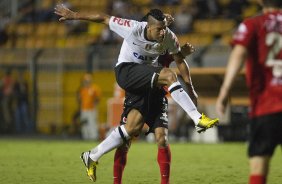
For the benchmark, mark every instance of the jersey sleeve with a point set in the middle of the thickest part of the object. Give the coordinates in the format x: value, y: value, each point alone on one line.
x: 123, y: 27
x: 173, y: 44
x: 244, y: 34
x: 165, y: 59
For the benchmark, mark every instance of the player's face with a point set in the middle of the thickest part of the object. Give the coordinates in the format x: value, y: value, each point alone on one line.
x: 158, y: 32
x: 87, y: 80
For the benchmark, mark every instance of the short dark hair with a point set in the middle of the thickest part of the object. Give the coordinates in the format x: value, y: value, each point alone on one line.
x: 156, y: 13
x: 272, y: 3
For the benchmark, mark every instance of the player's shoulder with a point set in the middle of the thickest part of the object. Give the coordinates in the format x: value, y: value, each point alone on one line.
x: 256, y: 19
x: 169, y: 31
x: 123, y: 22
x: 250, y: 23
x: 139, y: 27
x: 170, y: 34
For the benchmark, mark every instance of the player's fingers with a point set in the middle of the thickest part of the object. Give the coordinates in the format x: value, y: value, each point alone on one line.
x: 64, y: 7
x: 58, y: 10
x: 170, y: 18
x: 191, y: 47
x: 58, y: 7
x: 58, y: 13
x: 220, y: 109
x: 221, y: 113
x: 62, y: 19
x: 187, y: 44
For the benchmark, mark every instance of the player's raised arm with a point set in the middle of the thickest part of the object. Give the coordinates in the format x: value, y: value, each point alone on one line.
x: 235, y: 64
x: 67, y: 14
x: 181, y: 63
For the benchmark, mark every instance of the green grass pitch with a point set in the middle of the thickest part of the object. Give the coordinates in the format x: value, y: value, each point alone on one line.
x: 31, y: 161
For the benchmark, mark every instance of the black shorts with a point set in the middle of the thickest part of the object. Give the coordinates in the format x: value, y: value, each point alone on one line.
x: 136, y: 78
x: 141, y: 93
x: 153, y: 106
x: 265, y: 135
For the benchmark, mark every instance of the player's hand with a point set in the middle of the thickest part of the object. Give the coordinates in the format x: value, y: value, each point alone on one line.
x: 64, y: 12
x: 220, y: 106
x: 169, y: 19
x: 187, y: 49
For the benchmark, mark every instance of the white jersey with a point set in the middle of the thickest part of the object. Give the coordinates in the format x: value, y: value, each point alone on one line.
x: 135, y: 48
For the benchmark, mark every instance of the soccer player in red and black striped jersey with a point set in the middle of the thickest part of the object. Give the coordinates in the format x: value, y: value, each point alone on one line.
x: 164, y: 154
x: 258, y: 42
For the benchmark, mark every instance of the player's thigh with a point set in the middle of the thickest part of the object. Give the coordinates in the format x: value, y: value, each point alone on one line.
x: 137, y: 78
x: 166, y: 77
x: 134, y: 122
x: 135, y: 102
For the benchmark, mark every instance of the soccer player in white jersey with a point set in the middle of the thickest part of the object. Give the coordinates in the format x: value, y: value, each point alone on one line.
x: 135, y: 73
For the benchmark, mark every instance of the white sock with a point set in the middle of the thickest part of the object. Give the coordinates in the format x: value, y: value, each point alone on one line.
x: 183, y: 99
x: 113, y: 141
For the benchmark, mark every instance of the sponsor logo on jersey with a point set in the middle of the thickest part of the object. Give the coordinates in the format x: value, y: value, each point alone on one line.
x: 143, y: 58
x: 122, y: 22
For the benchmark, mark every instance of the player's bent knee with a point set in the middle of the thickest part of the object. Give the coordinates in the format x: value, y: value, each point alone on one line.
x: 134, y: 123
x: 171, y: 78
x: 168, y: 75
x: 161, y: 140
x: 133, y: 130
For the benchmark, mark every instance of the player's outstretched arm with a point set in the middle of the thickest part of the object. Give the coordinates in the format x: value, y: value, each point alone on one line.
x: 67, y: 14
x: 235, y: 63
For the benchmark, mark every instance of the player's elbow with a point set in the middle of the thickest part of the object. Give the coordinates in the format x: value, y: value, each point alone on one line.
x: 161, y: 140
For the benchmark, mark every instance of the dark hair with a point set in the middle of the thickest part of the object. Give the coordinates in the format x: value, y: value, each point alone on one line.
x: 145, y: 18
x: 272, y: 3
x: 156, y: 13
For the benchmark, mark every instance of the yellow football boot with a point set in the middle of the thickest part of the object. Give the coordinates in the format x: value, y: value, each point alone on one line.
x: 206, y: 123
x: 90, y: 165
